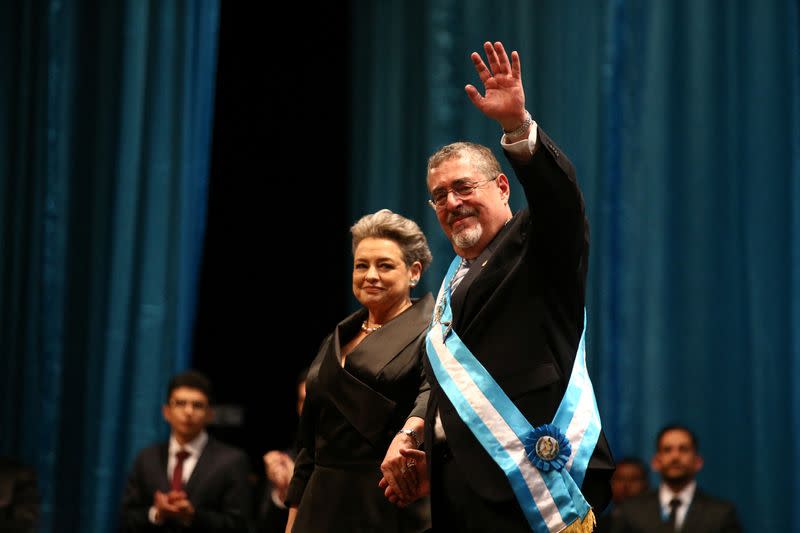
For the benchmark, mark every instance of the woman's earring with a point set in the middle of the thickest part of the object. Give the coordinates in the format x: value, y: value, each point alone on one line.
x: 413, y: 282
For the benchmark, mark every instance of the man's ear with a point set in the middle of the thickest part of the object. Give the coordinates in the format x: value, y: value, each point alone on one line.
x: 698, y: 463
x: 505, y: 186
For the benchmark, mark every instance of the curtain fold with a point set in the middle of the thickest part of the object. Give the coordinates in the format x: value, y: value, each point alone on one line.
x: 683, y: 121
x: 104, y: 155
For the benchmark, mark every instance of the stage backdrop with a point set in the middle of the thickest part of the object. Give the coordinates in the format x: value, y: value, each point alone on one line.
x: 683, y: 120
x: 105, y: 113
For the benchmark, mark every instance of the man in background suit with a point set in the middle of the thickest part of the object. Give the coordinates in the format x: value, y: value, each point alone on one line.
x: 629, y: 480
x: 192, y: 482
x: 678, y: 504
x: 19, y: 497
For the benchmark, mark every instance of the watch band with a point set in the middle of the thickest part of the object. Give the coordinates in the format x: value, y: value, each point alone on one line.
x: 413, y: 434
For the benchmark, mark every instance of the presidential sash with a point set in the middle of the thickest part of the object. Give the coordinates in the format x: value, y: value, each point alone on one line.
x: 544, y: 465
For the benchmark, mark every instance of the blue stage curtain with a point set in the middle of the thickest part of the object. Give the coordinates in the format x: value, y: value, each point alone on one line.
x: 105, y: 115
x: 683, y: 120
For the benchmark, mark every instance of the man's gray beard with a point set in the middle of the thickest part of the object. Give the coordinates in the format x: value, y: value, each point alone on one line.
x: 469, y: 237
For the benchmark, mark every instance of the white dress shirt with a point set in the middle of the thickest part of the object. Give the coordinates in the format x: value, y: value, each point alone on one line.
x: 665, y: 495
x: 195, y: 447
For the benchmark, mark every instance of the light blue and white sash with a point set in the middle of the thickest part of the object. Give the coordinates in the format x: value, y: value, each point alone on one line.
x: 545, y: 465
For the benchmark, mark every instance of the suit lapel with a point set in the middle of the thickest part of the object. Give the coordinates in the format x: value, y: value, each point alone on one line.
x: 163, y: 458
x: 201, y: 468
x: 392, y: 338
x: 694, y: 520
x: 649, y: 513
x: 366, y: 409
x: 493, y: 263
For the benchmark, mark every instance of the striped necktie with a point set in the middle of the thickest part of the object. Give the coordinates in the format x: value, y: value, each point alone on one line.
x: 463, y: 268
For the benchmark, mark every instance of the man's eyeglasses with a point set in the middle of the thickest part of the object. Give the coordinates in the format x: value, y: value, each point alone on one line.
x: 183, y: 404
x: 461, y: 188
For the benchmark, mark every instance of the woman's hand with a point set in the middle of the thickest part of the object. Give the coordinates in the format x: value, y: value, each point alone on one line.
x: 396, y: 473
x: 415, y: 460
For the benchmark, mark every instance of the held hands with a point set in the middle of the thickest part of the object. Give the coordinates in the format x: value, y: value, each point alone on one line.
x: 174, y: 505
x: 396, y: 473
x: 504, y: 98
x: 417, y: 486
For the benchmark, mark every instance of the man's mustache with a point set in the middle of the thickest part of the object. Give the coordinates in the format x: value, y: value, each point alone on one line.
x: 460, y: 212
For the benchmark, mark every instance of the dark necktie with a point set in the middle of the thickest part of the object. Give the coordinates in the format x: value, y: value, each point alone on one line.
x: 674, y: 503
x: 177, y: 474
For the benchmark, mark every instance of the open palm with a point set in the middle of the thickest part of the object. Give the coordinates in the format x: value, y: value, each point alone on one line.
x: 504, y: 97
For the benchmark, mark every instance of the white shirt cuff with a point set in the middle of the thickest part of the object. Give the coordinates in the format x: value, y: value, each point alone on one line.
x: 276, y: 499
x: 524, y: 148
x: 151, y: 515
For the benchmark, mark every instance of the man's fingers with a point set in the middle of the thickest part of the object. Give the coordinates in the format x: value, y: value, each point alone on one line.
x: 411, y: 474
x: 416, y: 455
x: 503, y: 65
x: 403, y: 484
x: 491, y: 57
x: 516, y: 66
x: 474, y: 95
x: 480, y: 67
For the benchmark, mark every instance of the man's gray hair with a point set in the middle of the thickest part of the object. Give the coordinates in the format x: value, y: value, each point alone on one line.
x: 478, y: 155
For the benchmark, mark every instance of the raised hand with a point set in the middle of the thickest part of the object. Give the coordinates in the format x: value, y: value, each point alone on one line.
x: 504, y: 97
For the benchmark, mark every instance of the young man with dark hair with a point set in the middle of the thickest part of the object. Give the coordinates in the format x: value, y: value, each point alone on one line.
x: 192, y: 482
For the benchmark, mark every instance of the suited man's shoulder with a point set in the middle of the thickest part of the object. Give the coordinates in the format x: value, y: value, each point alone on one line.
x: 151, y: 451
x: 639, y: 505
x: 712, y: 502
x: 715, y: 510
x: 224, y: 452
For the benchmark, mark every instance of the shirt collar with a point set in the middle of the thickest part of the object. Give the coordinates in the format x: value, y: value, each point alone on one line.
x: 665, y: 495
x: 194, y: 446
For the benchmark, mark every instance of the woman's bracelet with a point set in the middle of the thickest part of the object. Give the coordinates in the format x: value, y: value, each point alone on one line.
x: 413, y: 434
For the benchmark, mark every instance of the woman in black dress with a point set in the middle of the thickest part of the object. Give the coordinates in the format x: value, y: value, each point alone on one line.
x: 367, y: 393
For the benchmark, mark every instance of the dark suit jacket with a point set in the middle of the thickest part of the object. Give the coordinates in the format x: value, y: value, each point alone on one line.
x: 218, y: 488
x: 19, y: 497
x: 350, y: 417
x: 519, y: 309
x: 606, y: 520
x: 271, y: 518
x: 706, y: 514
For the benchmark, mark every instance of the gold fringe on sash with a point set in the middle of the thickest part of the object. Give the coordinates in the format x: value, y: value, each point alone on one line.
x: 586, y: 525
